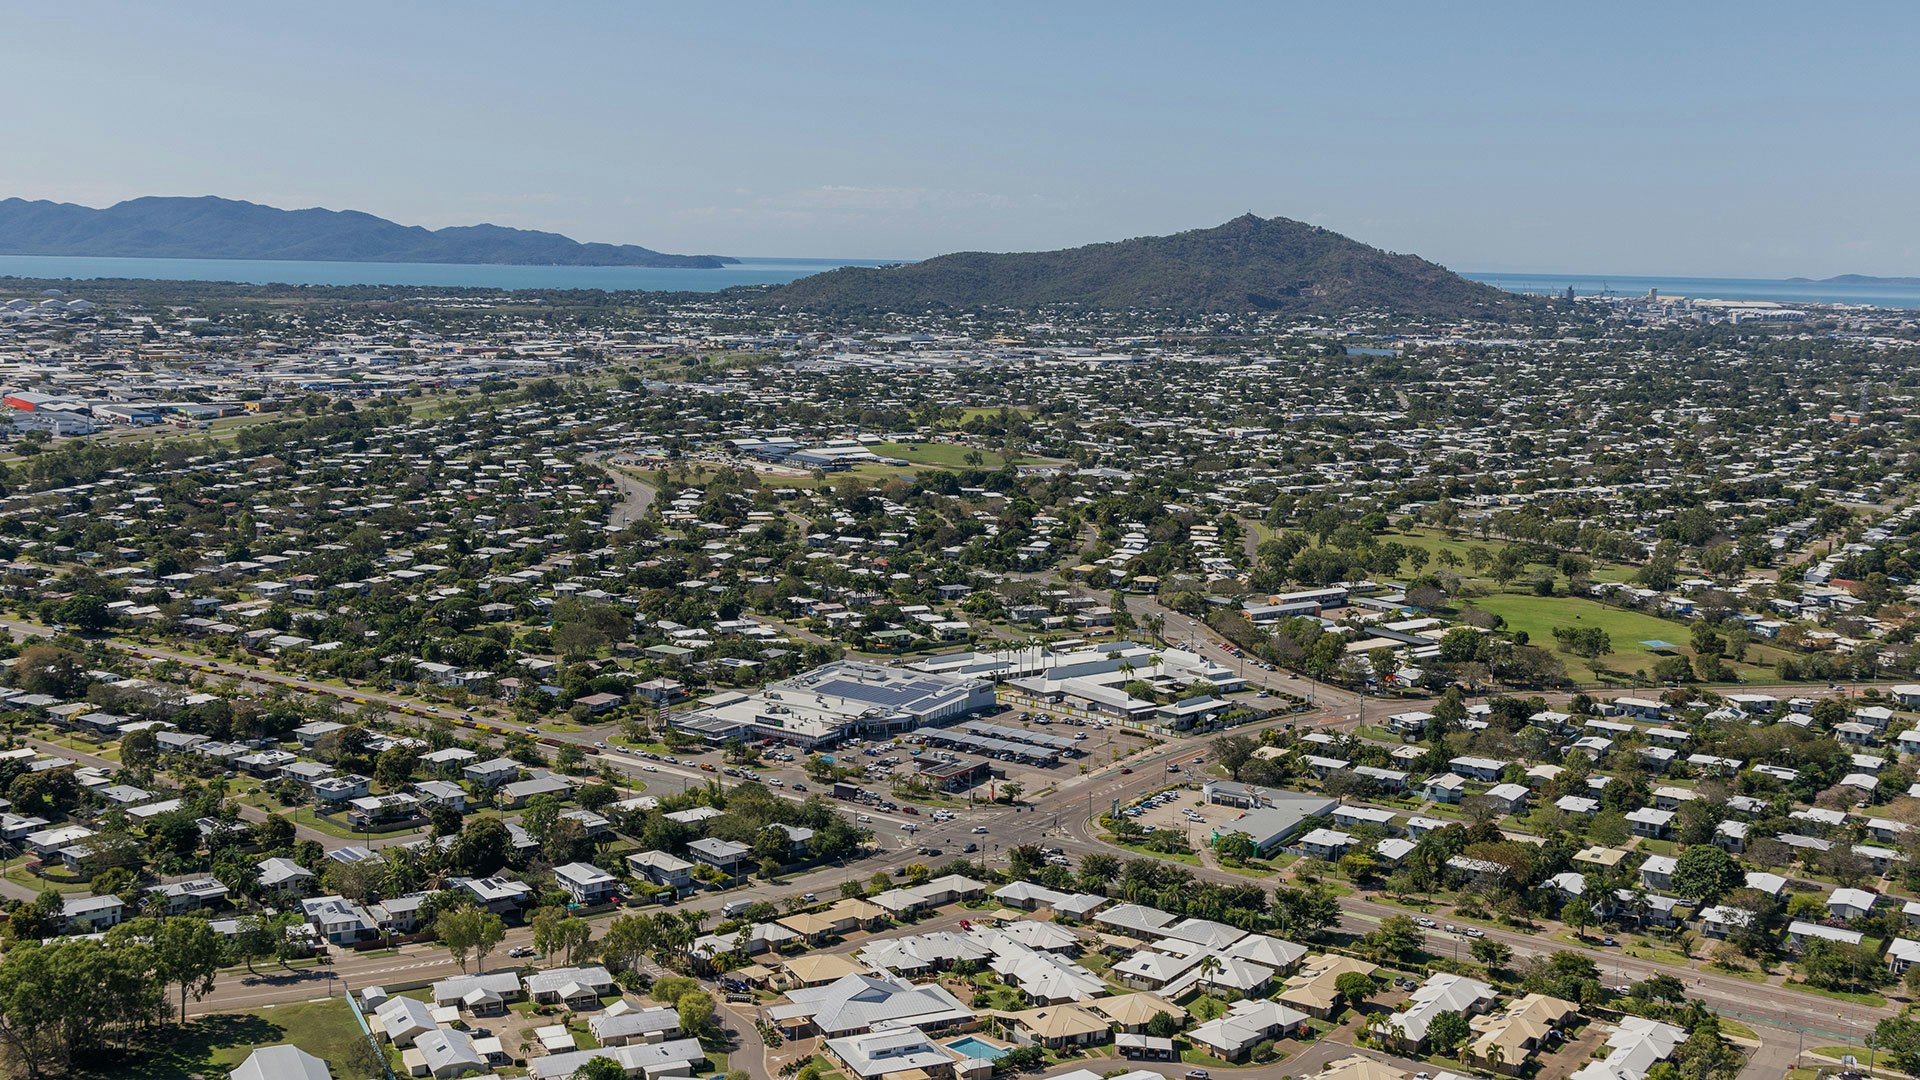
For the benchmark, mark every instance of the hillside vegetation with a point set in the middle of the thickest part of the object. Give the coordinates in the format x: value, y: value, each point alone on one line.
x: 1247, y: 264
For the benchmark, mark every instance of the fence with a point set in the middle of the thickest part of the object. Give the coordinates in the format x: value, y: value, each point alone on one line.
x: 353, y: 1003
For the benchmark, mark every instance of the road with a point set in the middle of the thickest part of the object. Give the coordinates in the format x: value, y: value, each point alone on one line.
x: 636, y: 495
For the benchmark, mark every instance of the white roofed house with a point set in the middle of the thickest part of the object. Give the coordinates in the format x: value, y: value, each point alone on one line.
x: 857, y: 1003
x: 1850, y: 903
x: 338, y: 920
x: 284, y: 878
x: 1329, y: 844
x: 1657, y: 872
x: 491, y: 773
x: 284, y: 1062
x: 1246, y: 1024
x: 403, y: 1020
x: 1150, y: 969
x: 516, y: 793
x: 1650, y: 822
x: 1508, y: 798
x: 725, y: 856
x: 1799, y: 932
x: 1902, y: 953
x: 575, y: 987
x: 646, y: 1060
x: 896, y: 1051
x: 445, y: 1052
x: 586, y: 883
x: 91, y: 914
x: 184, y: 896
x: 1485, y: 770
x: 1443, y: 992
x: 638, y: 1025
x: 481, y: 995
x: 667, y: 871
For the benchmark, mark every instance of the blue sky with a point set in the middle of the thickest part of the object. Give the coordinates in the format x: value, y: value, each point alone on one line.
x: 1735, y: 139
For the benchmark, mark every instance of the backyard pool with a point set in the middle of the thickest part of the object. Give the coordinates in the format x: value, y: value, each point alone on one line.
x: 975, y: 1048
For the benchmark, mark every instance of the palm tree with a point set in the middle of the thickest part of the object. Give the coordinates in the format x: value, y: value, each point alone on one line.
x: 1496, y: 1054
x: 1210, y: 965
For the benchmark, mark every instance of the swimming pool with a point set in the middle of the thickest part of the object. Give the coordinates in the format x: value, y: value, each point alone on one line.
x: 975, y: 1048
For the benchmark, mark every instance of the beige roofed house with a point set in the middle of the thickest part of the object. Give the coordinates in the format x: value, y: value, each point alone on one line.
x: 1600, y: 856
x: 1544, y: 1008
x: 1505, y: 1045
x: 1313, y: 991
x: 1054, y: 1026
x: 812, y: 925
x: 860, y: 911
x: 818, y: 969
x: 1134, y: 1011
x: 1359, y: 1067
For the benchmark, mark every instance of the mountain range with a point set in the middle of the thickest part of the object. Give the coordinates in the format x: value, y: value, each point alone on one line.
x: 1857, y: 279
x: 1247, y: 264
x: 215, y: 228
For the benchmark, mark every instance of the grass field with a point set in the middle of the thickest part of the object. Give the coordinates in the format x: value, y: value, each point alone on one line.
x: 1538, y: 615
x: 212, y: 1045
x: 1435, y: 541
x: 943, y: 455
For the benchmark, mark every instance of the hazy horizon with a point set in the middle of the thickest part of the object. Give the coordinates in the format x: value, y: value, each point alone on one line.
x: 1711, y: 140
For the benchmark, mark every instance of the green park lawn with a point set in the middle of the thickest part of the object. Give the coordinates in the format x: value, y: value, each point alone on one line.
x: 1538, y: 615
x: 212, y: 1045
x: 944, y: 455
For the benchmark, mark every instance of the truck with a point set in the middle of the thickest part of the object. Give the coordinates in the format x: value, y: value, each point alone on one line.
x: 733, y: 909
x: 843, y: 790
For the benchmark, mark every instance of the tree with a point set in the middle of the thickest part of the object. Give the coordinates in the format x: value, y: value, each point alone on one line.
x: 628, y: 939
x: 1578, y: 915
x: 1013, y: 788
x: 254, y: 938
x: 480, y: 850
x: 359, y: 882
x: 1236, y: 847
x: 1494, y: 954
x: 393, y: 769
x: 696, y: 1012
x: 467, y: 931
x: 1398, y: 936
x: 1164, y: 1026
x: 273, y: 834
x: 186, y: 954
x: 1355, y: 986
x: 600, y: 1068
x: 1097, y: 871
x: 1233, y: 751
x: 1704, y: 873
x: 556, y: 933
x: 1446, y: 1031
x: 1898, y: 1037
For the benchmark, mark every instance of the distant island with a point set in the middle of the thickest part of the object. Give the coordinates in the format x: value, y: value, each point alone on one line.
x: 1856, y: 279
x: 216, y: 228
x: 1247, y: 264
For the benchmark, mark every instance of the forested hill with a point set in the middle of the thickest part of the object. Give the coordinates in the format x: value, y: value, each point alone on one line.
x: 1247, y: 264
x: 215, y: 228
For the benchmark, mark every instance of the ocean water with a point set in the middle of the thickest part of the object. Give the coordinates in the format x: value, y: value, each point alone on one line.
x: 1787, y: 292
x: 276, y: 272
